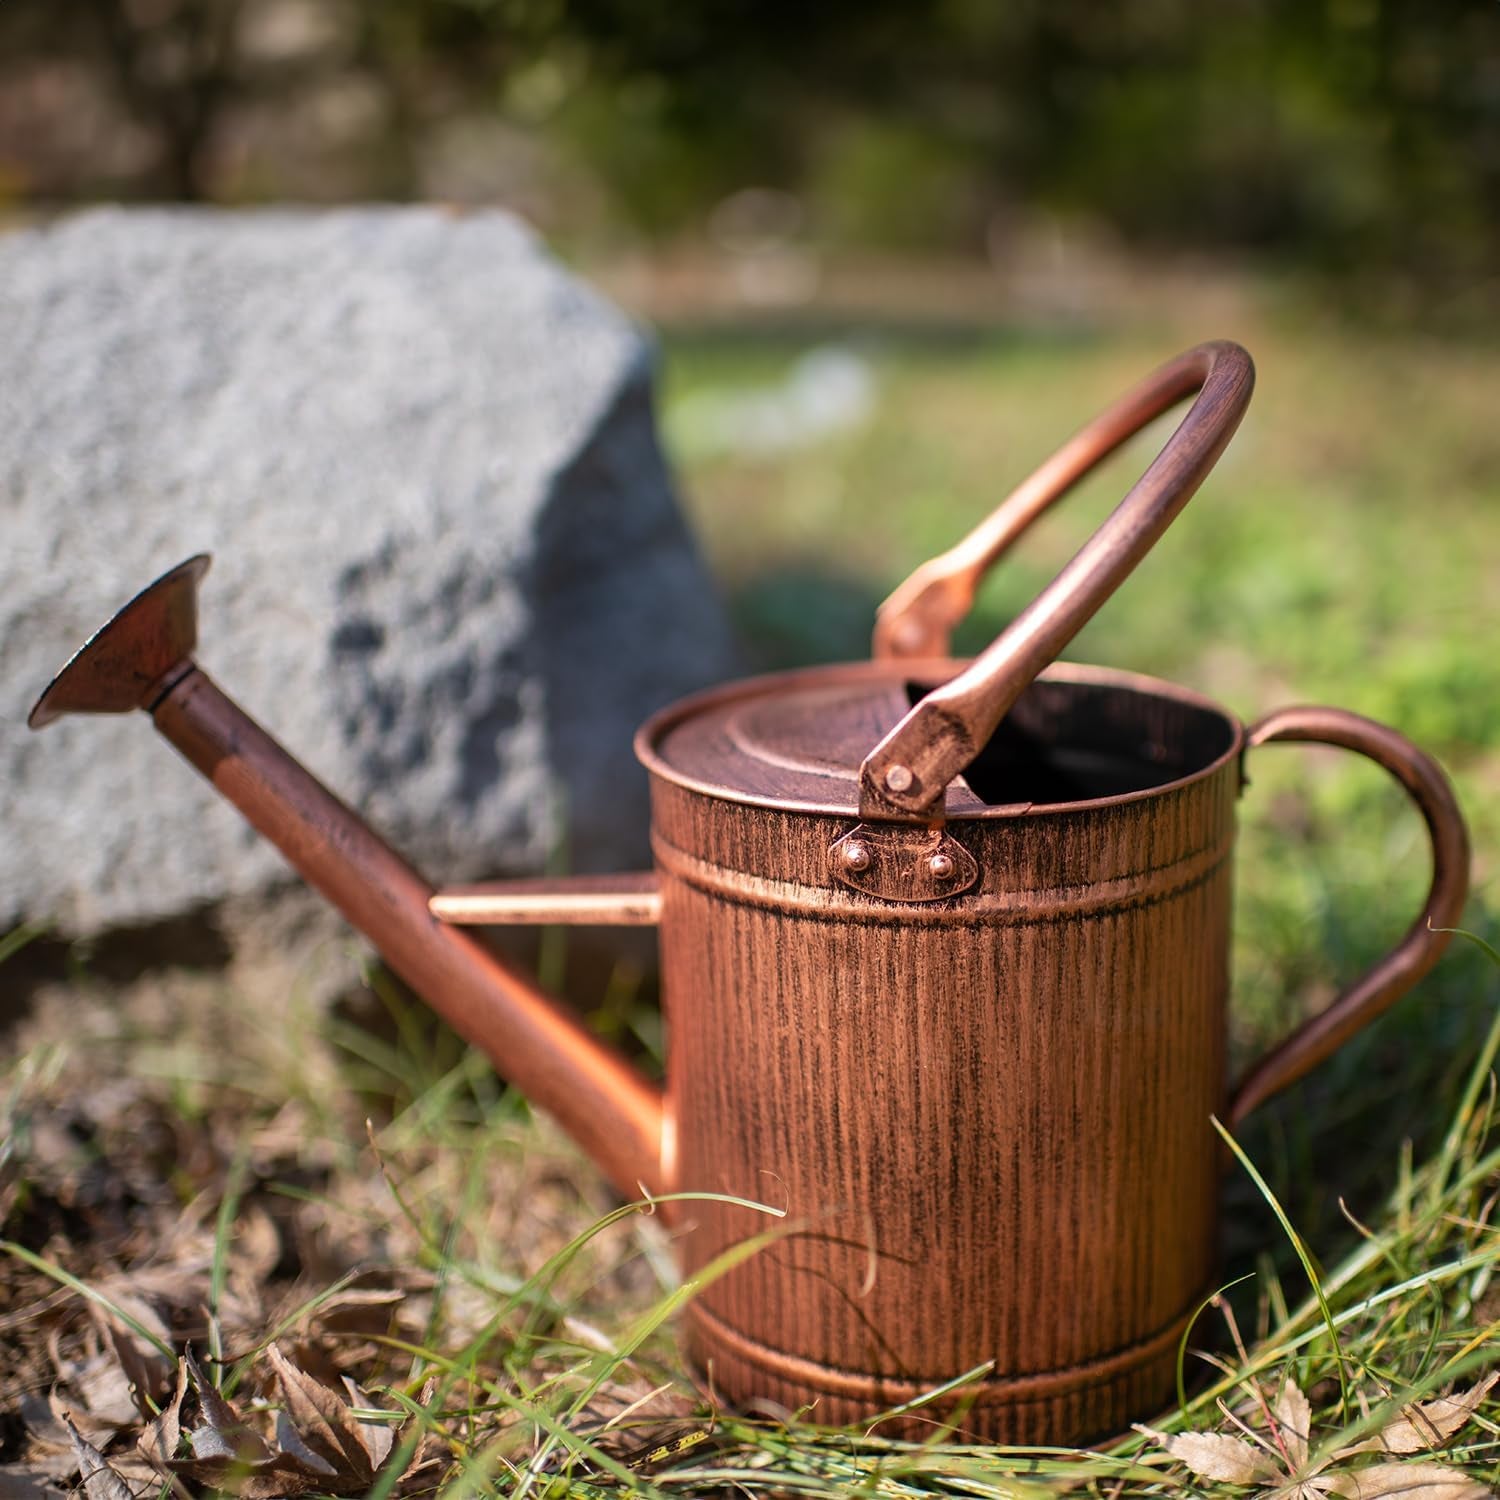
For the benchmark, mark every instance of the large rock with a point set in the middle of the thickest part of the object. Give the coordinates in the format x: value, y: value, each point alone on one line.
x: 449, y: 571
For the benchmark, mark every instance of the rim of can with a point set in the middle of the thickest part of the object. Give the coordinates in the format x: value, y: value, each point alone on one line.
x: 965, y: 807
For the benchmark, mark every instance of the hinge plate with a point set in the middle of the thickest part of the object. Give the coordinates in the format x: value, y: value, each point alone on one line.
x: 899, y: 862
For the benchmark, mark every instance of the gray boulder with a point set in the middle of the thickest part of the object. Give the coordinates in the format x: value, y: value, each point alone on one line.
x: 449, y: 574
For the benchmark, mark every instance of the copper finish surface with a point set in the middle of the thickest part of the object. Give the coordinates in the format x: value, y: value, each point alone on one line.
x: 1424, y: 942
x: 795, y: 741
x: 957, y: 1004
x: 598, y: 1098
x: 120, y: 666
x: 987, y: 1117
x: 583, y: 900
x: 614, y: 1113
x: 905, y: 775
x: 902, y: 864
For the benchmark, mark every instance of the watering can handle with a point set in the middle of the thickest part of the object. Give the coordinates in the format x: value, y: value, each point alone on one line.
x: 1323, y: 1034
x: 905, y: 776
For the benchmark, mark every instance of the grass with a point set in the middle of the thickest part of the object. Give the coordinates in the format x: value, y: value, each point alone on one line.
x: 362, y: 1192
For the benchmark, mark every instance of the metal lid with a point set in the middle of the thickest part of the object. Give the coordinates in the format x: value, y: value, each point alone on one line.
x: 796, y: 741
x: 793, y: 739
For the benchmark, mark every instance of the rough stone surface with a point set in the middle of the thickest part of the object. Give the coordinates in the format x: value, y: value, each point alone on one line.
x: 449, y: 571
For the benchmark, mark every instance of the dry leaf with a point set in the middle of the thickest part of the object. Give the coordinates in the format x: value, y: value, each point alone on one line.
x: 376, y: 1436
x: 160, y: 1441
x: 366, y: 1310
x: 100, y: 1482
x: 426, y: 1451
x: 320, y: 1444
x: 104, y: 1392
x: 289, y: 1441
x: 226, y: 1436
x: 1293, y: 1415
x: 141, y: 1376
x: 209, y: 1442
x: 142, y: 1365
x: 266, y: 1479
x: 1408, y: 1482
x: 1428, y: 1424
x: 1215, y: 1455
x: 48, y: 1443
x: 323, y: 1420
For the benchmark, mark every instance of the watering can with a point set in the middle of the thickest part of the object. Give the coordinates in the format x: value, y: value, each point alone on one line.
x: 945, y: 967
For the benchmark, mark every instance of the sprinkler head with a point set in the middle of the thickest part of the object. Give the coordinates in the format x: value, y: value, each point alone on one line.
x: 119, y: 666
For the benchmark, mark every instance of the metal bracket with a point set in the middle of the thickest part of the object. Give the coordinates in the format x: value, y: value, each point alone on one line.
x: 899, y: 862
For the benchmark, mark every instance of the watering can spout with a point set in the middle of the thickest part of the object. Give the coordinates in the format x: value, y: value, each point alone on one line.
x: 143, y: 659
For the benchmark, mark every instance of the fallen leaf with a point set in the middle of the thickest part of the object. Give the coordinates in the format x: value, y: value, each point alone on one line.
x: 209, y: 1442
x: 226, y: 1435
x: 161, y: 1438
x: 1293, y: 1415
x: 415, y: 1450
x: 366, y: 1310
x: 266, y: 1479
x: 1408, y: 1482
x: 289, y: 1441
x: 376, y: 1436
x: 1215, y: 1455
x: 104, y: 1392
x: 100, y: 1482
x: 323, y: 1420
x: 140, y: 1377
x: 1429, y: 1424
x: 29, y: 1482
x: 48, y: 1445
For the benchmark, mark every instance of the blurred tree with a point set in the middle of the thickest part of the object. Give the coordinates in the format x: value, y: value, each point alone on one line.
x: 1347, y: 131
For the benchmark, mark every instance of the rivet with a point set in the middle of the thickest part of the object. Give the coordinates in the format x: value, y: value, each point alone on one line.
x: 856, y: 857
x: 941, y: 866
x: 898, y: 777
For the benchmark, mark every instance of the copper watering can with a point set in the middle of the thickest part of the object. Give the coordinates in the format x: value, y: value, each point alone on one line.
x: 944, y: 956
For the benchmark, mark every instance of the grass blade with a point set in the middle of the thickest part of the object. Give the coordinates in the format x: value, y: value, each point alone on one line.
x: 1303, y: 1255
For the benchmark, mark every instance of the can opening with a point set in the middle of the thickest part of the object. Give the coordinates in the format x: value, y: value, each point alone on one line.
x: 1077, y: 742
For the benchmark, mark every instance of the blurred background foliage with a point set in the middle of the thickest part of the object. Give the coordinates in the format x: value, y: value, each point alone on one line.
x: 1347, y: 135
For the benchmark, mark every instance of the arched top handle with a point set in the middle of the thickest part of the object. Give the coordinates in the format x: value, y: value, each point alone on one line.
x: 905, y: 776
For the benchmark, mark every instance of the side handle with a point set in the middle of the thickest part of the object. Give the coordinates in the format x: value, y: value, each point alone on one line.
x: 1371, y: 995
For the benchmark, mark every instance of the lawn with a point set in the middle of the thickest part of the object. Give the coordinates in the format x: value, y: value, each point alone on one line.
x: 362, y: 1193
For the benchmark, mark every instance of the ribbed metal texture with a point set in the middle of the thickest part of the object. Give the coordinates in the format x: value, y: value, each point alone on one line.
x: 987, y: 1119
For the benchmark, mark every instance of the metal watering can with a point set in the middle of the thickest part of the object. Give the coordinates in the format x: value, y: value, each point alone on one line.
x: 944, y: 957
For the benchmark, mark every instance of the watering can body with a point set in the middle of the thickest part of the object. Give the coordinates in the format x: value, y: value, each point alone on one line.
x: 986, y: 1115
x: 975, y: 1061
x: 944, y: 954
